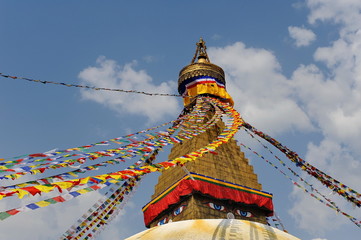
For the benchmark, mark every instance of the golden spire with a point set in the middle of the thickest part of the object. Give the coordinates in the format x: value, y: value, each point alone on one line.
x: 230, y: 187
x: 201, y: 51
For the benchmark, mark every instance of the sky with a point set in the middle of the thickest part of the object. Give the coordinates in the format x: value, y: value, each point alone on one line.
x: 293, y: 69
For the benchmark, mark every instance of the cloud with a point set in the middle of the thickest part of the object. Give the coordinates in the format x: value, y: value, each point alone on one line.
x: 315, y: 220
x: 331, y: 156
x: 302, y: 36
x: 337, y: 161
x: 261, y: 93
x: 331, y: 98
x: 345, y: 12
x: 51, y: 221
x: 107, y: 73
x: 323, y: 96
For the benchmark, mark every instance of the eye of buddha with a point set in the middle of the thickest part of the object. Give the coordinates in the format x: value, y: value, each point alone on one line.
x: 244, y: 213
x: 163, y: 221
x: 216, y: 206
x: 178, y: 210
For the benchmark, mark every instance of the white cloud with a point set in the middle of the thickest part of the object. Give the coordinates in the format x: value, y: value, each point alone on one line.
x: 261, y: 93
x: 345, y: 12
x: 52, y: 220
x: 109, y: 74
x: 332, y: 100
x: 302, y: 36
x: 276, y: 105
x: 315, y: 220
x: 331, y: 157
x: 338, y: 162
x: 312, y: 98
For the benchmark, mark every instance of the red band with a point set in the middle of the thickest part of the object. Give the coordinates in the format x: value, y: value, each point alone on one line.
x: 215, y: 190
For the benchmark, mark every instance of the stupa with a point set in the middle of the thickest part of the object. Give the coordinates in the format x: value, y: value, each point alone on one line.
x: 218, y: 196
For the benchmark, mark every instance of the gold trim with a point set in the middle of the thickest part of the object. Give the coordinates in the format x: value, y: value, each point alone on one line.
x: 203, y: 66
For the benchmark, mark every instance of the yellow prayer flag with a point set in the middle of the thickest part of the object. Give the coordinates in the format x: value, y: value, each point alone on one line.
x: 21, y: 193
x: 45, y: 189
x: 14, y: 176
x: 73, y: 174
x: 82, y: 191
x: 115, y: 176
x: 42, y: 203
x: 63, y: 185
x: 151, y: 168
x: 113, y: 181
x: 102, y: 177
x: 35, y: 171
x: 21, y: 185
x: 84, y: 180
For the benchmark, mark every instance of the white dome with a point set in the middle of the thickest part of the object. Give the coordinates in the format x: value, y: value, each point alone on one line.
x: 213, y: 229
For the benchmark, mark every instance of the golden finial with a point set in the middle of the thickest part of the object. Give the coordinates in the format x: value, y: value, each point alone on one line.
x: 201, y: 51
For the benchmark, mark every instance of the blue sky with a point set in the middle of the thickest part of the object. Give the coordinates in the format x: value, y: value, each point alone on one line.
x: 293, y: 69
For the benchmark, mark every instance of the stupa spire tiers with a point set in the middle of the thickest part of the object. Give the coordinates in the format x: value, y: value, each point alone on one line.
x: 213, y: 186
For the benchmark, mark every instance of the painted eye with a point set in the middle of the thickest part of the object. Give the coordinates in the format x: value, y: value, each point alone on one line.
x: 244, y: 213
x: 178, y: 210
x: 163, y: 221
x: 216, y: 206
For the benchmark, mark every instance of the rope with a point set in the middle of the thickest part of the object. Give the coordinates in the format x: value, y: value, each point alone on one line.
x: 89, y: 87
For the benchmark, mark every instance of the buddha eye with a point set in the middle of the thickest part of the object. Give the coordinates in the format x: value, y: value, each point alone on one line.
x: 178, y: 210
x: 244, y: 213
x: 216, y: 206
x: 163, y: 221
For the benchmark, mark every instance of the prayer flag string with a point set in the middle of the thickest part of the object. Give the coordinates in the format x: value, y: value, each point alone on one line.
x: 292, y: 171
x: 89, y: 87
x: 118, y: 140
x: 339, y: 188
x: 332, y: 206
x: 192, y: 122
x: 100, y: 214
x: 131, y: 150
x: 6, y: 192
x: 228, y: 132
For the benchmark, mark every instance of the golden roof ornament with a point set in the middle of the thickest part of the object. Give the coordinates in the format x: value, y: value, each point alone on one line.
x: 201, y: 51
x: 201, y: 77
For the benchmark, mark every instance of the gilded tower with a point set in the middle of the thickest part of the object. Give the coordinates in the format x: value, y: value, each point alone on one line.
x: 217, y: 194
x: 225, y: 169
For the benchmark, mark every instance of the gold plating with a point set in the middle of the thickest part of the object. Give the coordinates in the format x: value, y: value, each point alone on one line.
x: 203, y: 67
